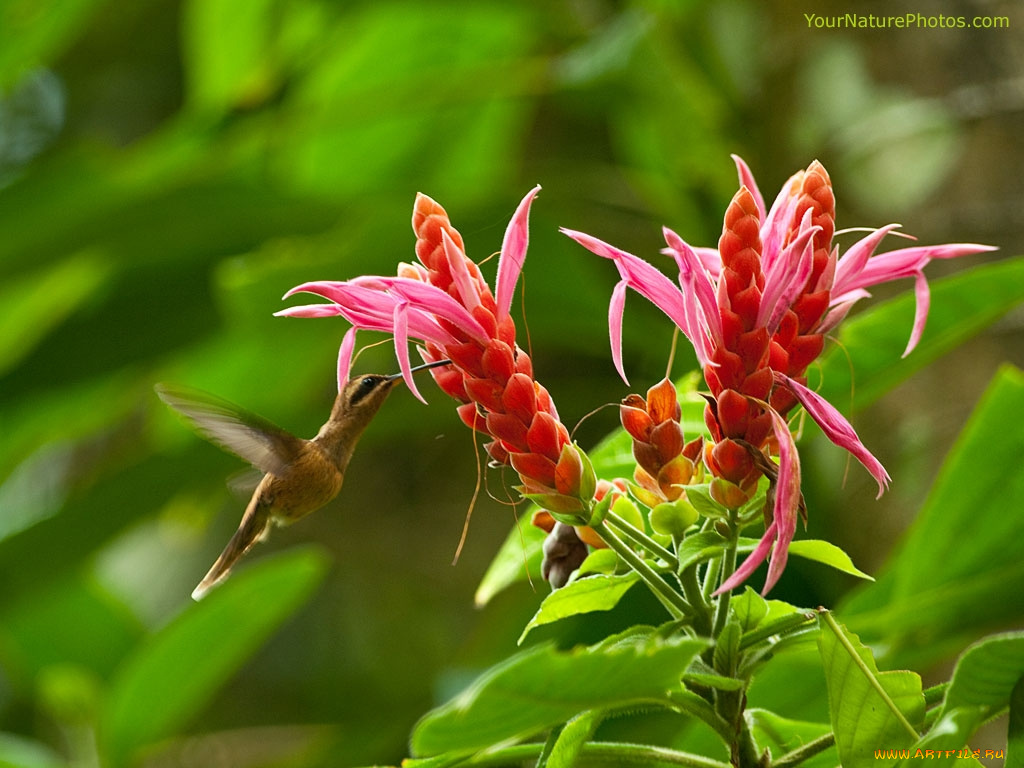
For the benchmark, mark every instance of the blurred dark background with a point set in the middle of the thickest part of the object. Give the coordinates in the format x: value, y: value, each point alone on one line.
x: 169, y: 169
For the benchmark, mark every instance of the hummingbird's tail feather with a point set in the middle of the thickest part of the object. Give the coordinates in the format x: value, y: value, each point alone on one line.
x: 254, y: 527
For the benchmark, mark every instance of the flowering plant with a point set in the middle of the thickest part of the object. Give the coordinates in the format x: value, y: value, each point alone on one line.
x: 708, y: 462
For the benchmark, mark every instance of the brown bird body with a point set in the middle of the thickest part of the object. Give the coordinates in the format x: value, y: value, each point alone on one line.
x: 300, y: 476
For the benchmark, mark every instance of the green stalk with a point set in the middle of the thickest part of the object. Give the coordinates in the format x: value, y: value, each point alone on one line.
x: 728, y: 566
x: 806, y: 752
x: 692, y: 590
x: 600, y: 752
x: 640, y: 539
x: 670, y: 598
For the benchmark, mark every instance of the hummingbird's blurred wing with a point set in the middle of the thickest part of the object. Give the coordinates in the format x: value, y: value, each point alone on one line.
x: 260, y: 442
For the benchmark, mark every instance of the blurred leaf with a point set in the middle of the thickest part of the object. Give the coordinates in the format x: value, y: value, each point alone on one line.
x: 961, y: 306
x: 19, y: 752
x: 104, y: 630
x: 228, y: 50
x: 542, y: 687
x: 862, y: 718
x: 35, y: 31
x: 594, y: 593
x: 520, y: 553
x: 937, y: 589
x: 36, y: 303
x: 170, y: 678
x: 827, y: 553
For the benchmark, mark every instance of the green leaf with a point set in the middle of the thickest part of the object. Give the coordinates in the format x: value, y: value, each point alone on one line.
x: 870, y: 710
x: 604, y: 561
x: 937, y: 591
x: 983, y: 685
x: 748, y: 608
x: 1015, y: 728
x: 961, y: 306
x: 576, y: 733
x: 827, y: 553
x: 171, y: 677
x: 542, y: 687
x: 594, y: 593
x: 986, y: 674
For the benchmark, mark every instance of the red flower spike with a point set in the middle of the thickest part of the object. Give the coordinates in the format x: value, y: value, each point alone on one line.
x: 646, y: 456
x: 497, y: 453
x: 538, y: 468
x: 496, y: 362
x: 509, y: 429
x: 466, y: 357
x: 543, y: 436
x: 568, y: 471
x: 635, y: 421
x: 733, y: 413
x: 663, y: 402
x: 667, y: 440
x: 520, y: 398
x: 486, y: 392
x: 470, y: 416
x: 733, y: 460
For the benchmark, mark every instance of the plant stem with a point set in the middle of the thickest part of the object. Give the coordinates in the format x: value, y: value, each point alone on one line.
x: 807, y: 751
x: 781, y: 626
x: 640, y: 539
x: 691, y: 704
x: 670, y: 598
x: 599, y: 752
x: 702, y: 611
x: 728, y: 566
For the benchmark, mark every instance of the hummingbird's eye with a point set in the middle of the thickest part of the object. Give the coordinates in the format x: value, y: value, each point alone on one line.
x: 366, y: 385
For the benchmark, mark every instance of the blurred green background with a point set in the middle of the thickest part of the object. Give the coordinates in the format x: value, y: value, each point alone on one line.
x: 168, y: 169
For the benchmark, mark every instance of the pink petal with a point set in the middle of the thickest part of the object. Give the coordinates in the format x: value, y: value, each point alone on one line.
x: 703, y: 288
x: 836, y: 427
x: 432, y: 300
x: 787, y: 277
x: 348, y: 345
x: 513, y: 254
x: 923, y: 303
x: 467, y: 289
x: 787, y: 499
x: 852, y: 263
x: 906, y: 262
x: 401, y: 326
x: 616, y: 308
x: 754, y: 559
x: 776, y: 226
x: 747, y: 180
x: 642, y: 277
x: 711, y: 259
x: 310, y: 310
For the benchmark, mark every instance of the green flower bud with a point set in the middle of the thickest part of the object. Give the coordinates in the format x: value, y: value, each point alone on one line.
x: 628, y: 511
x: 673, y: 517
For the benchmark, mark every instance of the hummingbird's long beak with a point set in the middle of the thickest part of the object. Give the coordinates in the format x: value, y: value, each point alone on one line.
x: 435, y: 364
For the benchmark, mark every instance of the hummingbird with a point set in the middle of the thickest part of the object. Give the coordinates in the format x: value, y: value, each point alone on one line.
x: 299, y: 476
